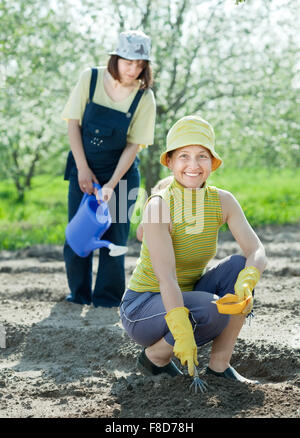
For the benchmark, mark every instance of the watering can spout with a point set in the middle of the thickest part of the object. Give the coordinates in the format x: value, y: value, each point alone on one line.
x: 117, y: 250
x: 114, y: 250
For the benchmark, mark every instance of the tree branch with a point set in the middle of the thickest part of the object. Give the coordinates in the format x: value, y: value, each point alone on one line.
x: 178, y: 32
x: 30, y: 173
x: 146, y: 15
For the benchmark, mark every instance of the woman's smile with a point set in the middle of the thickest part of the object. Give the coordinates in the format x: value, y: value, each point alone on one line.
x: 191, y: 165
x: 192, y: 174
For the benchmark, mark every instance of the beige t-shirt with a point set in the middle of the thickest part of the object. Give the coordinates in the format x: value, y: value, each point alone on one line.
x: 141, y: 128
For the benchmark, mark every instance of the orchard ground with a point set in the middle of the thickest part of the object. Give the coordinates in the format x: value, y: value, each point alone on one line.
x: 65, y: 360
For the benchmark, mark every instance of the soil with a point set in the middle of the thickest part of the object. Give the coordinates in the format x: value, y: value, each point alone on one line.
x: 65, y: 360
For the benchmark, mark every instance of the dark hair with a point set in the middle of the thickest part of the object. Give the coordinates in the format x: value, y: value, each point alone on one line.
x: 146, y: 75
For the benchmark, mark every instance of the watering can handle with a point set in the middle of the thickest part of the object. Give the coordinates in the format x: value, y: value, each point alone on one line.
x: 98, y: 187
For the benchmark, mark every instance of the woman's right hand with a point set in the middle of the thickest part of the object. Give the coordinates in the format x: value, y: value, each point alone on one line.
x: 185, y: 348
x: 86, y: 178
x: 139, y: 232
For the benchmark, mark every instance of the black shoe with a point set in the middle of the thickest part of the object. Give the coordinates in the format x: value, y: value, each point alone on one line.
x: 146, y: 367
x: 230, y: 373
x: 78, y: 300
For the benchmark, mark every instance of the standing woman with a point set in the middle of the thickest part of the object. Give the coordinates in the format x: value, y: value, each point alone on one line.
x: 110, y: 113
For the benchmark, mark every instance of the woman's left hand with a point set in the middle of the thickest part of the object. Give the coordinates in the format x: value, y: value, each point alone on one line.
x: 107, y: 192
x: 245, y: 283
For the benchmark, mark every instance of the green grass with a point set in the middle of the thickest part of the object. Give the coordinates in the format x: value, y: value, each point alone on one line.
x: 41, y: 219
x: 267, y: 197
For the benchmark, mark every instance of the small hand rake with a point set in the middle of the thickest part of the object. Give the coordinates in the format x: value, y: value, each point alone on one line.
x: 198, y: 383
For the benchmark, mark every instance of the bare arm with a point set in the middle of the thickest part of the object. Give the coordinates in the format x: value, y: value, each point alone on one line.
x: 125, y: 161
x: 85, y: 176
x: 159, y: 242
x: 243, y: 233
x: 157, y: 225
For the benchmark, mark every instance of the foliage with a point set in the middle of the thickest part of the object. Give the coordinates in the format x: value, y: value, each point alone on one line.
x: 208, y: 60
x: 41, y: 219
x: 237, y: 66
x: 39, y: 44
x: 267, y: 197
x: 28, y: 103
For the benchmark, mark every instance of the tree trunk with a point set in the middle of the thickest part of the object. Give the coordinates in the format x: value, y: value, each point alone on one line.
x: 150, y: 167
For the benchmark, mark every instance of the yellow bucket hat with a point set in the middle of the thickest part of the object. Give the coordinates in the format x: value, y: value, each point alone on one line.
x: 191, y: 130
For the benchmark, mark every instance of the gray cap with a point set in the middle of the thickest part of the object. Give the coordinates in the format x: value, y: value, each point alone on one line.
x: 133, y: 44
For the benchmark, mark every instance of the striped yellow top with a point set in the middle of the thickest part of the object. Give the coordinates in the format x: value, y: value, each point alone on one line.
x: 196, y: 218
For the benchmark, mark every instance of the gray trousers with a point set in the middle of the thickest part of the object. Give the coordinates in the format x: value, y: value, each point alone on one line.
x: 142, y: 313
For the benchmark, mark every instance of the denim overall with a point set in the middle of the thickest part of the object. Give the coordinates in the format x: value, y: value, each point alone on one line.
x: 104, y: 136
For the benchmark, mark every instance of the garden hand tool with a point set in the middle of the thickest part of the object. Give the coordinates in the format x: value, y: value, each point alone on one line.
x: 185, y: 348
x: 198, y: 383
x: 230, y: 305
x: 84, y: 231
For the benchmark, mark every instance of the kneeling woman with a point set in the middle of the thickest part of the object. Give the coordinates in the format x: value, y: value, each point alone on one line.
x: 169, y: 306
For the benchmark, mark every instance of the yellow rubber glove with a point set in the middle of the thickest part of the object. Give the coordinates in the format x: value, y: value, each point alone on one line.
x: 185, y: 348
x: 245, y: 283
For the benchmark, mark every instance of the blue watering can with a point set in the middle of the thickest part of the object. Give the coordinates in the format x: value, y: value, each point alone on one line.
x: 84, y: 231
